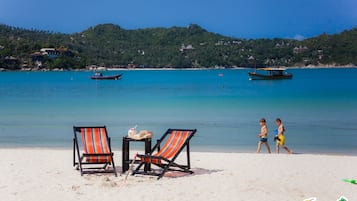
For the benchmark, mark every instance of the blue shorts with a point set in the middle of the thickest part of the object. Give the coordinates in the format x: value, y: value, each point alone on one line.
x: 263, y: 139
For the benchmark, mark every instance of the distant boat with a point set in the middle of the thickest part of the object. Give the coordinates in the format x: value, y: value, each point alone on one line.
x: 270, y: 74
x: 100, y: 76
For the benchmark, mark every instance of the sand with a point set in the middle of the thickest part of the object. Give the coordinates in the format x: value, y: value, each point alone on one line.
x: 47, y: 174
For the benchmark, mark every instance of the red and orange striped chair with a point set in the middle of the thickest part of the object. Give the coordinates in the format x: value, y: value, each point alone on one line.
x: 177, y: 140
x: 96, y: 150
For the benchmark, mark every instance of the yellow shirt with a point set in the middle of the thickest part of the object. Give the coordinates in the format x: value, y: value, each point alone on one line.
x: 281, y: 136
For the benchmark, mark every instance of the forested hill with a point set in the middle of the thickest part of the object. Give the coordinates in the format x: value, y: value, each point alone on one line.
x: 192, y: 46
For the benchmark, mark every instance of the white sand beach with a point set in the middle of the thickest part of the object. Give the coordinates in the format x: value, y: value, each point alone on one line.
x: 47, y: 174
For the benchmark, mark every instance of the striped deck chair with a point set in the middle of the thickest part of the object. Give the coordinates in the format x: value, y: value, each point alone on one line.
x: 95, y: 144
x: 177, y: 140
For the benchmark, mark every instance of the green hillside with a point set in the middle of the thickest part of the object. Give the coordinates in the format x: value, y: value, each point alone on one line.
x: 192, y: 46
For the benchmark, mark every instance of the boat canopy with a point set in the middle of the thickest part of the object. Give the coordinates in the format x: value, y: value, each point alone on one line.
x: 272, y: 69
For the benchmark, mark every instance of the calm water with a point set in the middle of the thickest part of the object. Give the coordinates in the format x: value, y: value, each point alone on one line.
x: 318, y: 107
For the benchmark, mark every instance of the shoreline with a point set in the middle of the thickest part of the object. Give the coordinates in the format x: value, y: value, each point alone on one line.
x: 200, y: 151
x: 178, y: 69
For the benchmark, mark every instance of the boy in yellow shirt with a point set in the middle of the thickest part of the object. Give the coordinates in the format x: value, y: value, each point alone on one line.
x: 281, y: 138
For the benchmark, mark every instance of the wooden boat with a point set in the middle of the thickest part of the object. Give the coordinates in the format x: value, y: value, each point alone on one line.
x: 270, y: 74
x: 100, y: 76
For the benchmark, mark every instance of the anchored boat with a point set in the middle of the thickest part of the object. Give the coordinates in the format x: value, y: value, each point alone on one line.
x: 100, y: 76
x: 269, y: 74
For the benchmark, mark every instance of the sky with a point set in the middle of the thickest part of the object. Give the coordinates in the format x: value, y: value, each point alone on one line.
x: 237, y: 18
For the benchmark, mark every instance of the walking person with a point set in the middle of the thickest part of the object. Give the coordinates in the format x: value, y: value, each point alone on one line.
x: 280, y: 138
x: 263, y: 135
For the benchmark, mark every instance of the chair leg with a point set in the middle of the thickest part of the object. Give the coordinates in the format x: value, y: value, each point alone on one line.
x: 188, y: 156
x: 80, y: 166
x: 80, y: 169
x: 105, y: 166
x: 74, y: 152
x: 164, y: 171
x: 138, y: 168
x: 114, y: 168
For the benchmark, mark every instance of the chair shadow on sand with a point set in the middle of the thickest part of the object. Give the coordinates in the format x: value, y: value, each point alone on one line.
x: 197, y: 171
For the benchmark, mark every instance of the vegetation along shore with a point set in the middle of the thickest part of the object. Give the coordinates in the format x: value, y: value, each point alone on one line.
x: 113, y: 47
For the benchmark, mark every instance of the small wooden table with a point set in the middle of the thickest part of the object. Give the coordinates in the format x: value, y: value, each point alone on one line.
x: 125, y: 151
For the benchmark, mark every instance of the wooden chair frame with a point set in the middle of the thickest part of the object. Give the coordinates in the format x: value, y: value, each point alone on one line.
x: 167, y: 164
x: 86, y: 167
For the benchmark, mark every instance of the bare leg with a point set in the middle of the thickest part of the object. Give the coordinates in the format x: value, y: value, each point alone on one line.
x: 287, y: 149
x: 259, y: 146
x: 277, y: 148
x: 268, y: 147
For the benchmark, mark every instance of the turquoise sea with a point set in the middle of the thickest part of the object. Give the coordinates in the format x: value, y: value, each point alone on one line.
x: 318, y: 107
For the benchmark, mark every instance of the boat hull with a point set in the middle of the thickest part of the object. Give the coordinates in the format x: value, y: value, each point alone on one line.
x: 257, y: 76
x: 101, y: 77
